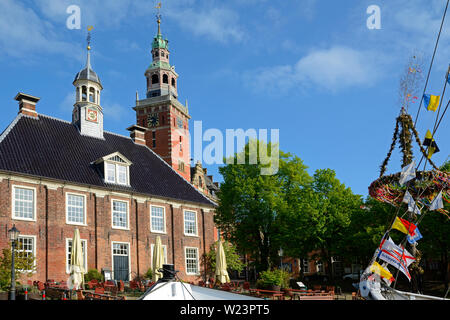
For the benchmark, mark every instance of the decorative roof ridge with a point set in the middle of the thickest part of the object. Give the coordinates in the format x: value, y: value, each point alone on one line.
x: 11, y: 126
x: 68, y: 122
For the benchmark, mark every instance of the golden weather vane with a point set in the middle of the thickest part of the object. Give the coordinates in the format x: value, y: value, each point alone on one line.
x: 158, y: 16
x: 89, y: 28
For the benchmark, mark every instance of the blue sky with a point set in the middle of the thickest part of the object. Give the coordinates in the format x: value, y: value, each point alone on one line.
x: 310, y: 68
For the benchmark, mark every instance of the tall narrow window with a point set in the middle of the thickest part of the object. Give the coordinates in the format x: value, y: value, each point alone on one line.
x: 121, y: 174
x: 92, y: 95
x: 191, y: 255
x: 155, y: 79
x: 69, y: 243
x: 23, y: 203
x: 190, y: 223
x: 157, y: 221
x: 181, y: 144
x: 165, y: 78
x: 154, y: 139
x: 110, y: 170
x: 120, y: 214
x: 26, y: 250
x: 84, y: 93
x: 75, y: 208
x: 305, y: 265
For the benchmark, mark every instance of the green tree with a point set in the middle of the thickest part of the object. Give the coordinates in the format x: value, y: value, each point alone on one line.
x: 335, y: 203
x: 367, y: 227
x: 249, y: 204
x: 24, y: 266
x: 232, y: 257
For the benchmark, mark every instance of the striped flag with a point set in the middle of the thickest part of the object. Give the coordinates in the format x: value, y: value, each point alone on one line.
x: 396, y: 256
x: 431, y: 102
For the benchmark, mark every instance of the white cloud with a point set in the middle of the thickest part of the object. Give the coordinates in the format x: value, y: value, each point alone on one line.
x: 216, y: 23
x: 23, y: 34
x: 219, y: 24
x: 332, y: 69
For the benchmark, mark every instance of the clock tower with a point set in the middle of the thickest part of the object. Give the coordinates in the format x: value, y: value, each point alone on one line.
x: 87, y: 114
x: 166, y: 119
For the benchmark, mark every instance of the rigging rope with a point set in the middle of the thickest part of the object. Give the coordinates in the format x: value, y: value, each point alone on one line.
x: 432, y: 61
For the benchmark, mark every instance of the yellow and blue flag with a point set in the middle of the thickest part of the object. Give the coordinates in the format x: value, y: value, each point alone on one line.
x: 431, y: 102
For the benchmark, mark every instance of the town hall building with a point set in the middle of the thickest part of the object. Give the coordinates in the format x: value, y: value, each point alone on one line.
x: 120, y: 192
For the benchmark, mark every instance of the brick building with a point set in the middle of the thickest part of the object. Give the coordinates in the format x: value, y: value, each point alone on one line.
x: 120, y: 192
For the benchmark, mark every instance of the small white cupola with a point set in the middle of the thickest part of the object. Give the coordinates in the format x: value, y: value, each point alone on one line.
x: 87, y: 113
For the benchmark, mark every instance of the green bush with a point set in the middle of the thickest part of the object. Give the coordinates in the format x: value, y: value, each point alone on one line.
x: 93, y: 274
x: 149, y: 274
x: 277, y: 277
x: 21, y: 262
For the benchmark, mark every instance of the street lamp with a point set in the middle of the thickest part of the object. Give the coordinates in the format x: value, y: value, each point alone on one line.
x: 280, y: 254
x: 13, y: 236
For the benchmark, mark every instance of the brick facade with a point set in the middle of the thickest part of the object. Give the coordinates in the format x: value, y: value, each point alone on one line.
x: 51, y: 230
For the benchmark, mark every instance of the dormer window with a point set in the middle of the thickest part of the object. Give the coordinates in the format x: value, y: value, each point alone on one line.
x: 116, y: 168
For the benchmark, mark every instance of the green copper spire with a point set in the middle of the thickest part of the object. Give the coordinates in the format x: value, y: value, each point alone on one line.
x: 158, y: 41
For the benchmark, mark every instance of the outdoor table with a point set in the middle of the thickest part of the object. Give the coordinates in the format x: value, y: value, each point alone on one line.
x: 268, y: 293
x: 314, y: 295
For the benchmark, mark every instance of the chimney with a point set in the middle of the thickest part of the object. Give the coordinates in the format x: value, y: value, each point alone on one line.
x: 27, y: 104
x: 137, y: 133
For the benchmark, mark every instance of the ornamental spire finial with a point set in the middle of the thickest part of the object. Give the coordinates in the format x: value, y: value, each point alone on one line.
x: 158, y: 17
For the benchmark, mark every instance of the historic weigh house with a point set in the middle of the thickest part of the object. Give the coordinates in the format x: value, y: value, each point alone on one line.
x: 120, y: 192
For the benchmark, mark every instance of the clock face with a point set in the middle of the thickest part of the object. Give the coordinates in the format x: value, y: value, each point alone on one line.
x: 91, y: 115
x: 153, y: 120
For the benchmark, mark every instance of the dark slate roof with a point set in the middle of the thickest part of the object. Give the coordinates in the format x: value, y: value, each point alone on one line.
x: 87, y: 74
x: 53, y: 148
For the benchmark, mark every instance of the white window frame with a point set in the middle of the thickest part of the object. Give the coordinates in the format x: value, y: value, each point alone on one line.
x: 33, y: 251
x: 185, y: 261
x: 128, y: 214
x: 305, y: 262
x: 84, y: 209
x: 129, y: 257
x: 13, y: 203
x: 152, y: 246
x: 164, y: 220
x: 116, y: 173
x: 106, y: 172
x: 196, y: 223
x: 319, y: 267
x: 85, y: 255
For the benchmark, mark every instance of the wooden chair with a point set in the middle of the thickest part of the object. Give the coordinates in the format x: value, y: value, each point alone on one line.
x: 246, y: 286
x: 40, y: 286
x: 133, y: 285
x: 100, y: 290
x: 121, y: 286
x: 80, y: 295
x: 225, y: 287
